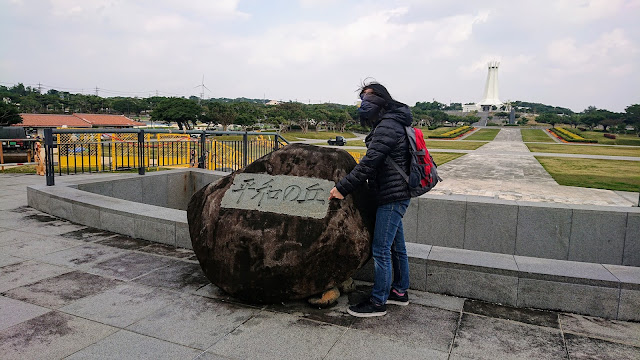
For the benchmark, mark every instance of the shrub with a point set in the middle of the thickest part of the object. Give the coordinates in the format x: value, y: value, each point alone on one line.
x: 453, y: 133
x: 570, y: 136
x: 609, y: 136
x: 492, y: 124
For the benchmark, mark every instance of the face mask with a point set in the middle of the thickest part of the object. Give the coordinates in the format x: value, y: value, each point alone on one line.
x: 369, y: 110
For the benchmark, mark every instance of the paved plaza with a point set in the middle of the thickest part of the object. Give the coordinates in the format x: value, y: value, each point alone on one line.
x: 506, y: 169
x: 68, y: 291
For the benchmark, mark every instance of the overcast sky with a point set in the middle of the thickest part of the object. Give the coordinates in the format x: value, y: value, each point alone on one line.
x: 570, y: 53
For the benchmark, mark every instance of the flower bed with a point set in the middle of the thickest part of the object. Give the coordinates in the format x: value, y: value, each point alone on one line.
x: 567, y: 135
x: 453, y: 133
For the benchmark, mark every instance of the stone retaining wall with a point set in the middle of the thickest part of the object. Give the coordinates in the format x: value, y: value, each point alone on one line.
x: 587, y: 233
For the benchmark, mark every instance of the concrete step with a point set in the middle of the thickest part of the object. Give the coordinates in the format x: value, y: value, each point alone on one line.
x: 609, y: 291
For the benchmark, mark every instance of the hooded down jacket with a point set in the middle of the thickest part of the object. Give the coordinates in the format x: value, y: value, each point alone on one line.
x: 386, y: 139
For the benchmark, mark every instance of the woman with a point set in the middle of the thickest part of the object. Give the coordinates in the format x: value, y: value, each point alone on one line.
x: 387, y: 141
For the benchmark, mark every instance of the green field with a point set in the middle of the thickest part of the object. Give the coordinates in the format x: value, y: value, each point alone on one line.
x: 535, y: 135
x: 324, y: 135
x: 621, y: 139
x: 591, y: 173
x: 355, y: 143
x: 453, y: 144
x: 585, y: 149
x: 483, y: 135
x: 443, y: 157
x: 439, y: 157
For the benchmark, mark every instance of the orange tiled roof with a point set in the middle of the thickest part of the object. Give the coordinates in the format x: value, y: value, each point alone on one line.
x: 52, y: 121
x: 108, y: 120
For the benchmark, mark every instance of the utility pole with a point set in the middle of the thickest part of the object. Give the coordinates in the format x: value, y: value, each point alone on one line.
x: 96, y: 91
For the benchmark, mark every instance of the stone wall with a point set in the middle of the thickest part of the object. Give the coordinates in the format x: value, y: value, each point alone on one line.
x: 586, y: 233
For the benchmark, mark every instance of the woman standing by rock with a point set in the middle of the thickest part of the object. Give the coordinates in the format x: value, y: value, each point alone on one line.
x: 386, y: 143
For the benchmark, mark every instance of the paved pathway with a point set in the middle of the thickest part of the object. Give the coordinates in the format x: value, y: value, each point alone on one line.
x: 72, y: 292
x: 505, y: 169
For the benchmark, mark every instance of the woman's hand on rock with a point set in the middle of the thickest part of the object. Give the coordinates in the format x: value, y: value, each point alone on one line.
x: 335, y: 194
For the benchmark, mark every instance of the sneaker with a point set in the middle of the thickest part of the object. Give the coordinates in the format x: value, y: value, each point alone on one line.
x: 396, y: 299
x: 367, y: 309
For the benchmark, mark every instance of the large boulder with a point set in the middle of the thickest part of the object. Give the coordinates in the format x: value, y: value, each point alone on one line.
x: 268, y: 233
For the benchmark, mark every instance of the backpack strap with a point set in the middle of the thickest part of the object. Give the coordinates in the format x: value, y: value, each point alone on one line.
x: 389, y: 160
x: 398, y: 168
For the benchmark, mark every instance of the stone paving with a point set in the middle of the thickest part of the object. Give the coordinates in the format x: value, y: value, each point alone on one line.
x: 72, y: 292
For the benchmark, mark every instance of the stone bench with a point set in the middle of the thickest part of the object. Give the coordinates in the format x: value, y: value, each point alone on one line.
x: 610, y: 291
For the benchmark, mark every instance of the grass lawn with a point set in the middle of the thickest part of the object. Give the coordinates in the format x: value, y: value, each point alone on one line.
x: 601, y: 174
x: 483, y: 135
x: 443, y: 157
x: 585, y: 149
x: 536, y: 135
x: 355, y: 143
x: 621, y: 139
x: 439, y: 157
x: 325, y: 135
x: 453, y: 144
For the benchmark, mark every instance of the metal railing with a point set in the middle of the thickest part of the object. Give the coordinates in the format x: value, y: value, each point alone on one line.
x: 73, y: 151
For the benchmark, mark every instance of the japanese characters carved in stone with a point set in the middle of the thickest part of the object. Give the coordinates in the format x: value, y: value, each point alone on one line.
x: 269, y: 233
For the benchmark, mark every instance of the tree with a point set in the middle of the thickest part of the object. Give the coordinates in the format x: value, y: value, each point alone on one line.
x: 9, y: 114
x: 609, y: 122
x: 454, y: 106
x: 292, y: 112
x: 549, y: 118
x: 219, y: 113
x: 248, y: 113
x: 30, y: 104
x: 182, y: 111
x: 126, y: 106
x: 632, y: 117
x: 591, y: 119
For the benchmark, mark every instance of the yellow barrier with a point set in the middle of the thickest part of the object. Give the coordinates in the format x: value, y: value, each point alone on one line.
x: 110, y: 151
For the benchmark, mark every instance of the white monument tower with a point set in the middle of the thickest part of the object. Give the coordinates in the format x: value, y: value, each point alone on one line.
x: 491, y: 88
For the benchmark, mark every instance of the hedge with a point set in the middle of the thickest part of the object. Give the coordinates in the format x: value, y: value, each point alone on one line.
x: 453, y: 133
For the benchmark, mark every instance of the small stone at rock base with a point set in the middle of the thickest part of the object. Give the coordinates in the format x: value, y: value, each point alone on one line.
x: 327, y: 298
x: 259, y: 255
x: 347, y: 286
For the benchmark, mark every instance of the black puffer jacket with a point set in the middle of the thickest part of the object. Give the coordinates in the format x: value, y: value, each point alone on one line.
x: 386, y: 139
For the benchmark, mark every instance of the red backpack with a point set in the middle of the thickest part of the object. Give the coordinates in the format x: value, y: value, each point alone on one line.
x: 423, y: 172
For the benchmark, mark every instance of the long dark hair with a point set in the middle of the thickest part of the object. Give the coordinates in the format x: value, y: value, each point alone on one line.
x: 380, y: 91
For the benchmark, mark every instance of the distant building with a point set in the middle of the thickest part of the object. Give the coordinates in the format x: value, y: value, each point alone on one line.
x: 110, y: 121
x: 273, y: 102
x: 39, y: 122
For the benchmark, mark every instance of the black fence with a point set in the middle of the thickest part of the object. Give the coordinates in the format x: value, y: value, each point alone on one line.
x: 73, y: 151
